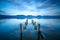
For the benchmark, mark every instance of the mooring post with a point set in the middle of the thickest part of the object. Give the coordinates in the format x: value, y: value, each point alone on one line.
x: 25, y: 24
x: 35, y: 27
x: 39, y: 33
x: 32, y: 21
x: 34, y: 24
x: 20, y: 31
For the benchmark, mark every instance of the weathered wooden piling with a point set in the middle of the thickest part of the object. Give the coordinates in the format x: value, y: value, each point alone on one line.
x: 34, y: 24
x: 35, y: 27
x: 25, y: 27
x: 20, y: 31
x: 25, y: 24
x: 39, y: 32
x: 32, y: 21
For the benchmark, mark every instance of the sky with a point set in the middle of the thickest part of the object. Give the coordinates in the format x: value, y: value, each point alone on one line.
x: 30, y: 7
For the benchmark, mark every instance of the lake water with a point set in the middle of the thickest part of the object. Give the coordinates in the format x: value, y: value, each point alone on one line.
x: 10, y: 29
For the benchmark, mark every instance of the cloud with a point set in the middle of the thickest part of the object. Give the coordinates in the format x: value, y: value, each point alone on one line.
x: 29, y: 7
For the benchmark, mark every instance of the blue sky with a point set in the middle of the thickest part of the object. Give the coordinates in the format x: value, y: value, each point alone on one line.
x: 30, y: 7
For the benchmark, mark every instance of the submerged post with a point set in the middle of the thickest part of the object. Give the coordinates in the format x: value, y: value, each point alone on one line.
x: 20, y: 31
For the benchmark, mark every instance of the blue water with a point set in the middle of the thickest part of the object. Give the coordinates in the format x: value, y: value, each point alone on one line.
x: 10, y: 29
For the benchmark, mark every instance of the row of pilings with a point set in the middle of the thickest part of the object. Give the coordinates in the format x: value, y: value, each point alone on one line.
x: 35, y: 28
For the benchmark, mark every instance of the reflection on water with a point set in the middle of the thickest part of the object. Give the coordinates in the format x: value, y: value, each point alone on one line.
x: 10, y: 29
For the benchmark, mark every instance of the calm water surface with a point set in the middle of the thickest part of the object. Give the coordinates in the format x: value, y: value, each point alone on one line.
x: 10, y: 29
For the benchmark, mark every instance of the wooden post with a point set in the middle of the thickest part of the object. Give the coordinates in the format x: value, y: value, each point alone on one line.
x: 34, y: 24
x: 40, y: 34
x: 32, y: 21
x: 35, y: 27
x: 20, y: 31
x: 25, y: 24
x: 38, y: 31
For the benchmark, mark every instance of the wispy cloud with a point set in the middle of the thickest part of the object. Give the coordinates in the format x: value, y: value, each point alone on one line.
x: 30, y: 7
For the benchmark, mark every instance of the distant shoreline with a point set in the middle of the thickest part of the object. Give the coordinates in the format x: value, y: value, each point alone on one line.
x: 28, y: 17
